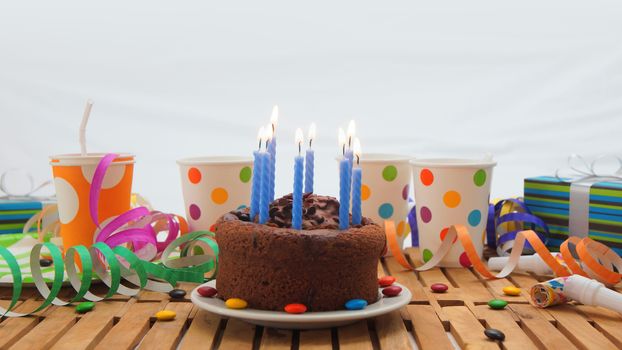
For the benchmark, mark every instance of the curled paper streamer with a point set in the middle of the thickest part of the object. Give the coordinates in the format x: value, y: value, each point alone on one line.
x: 549, y: 293
x: 11, y: 193
x: 598, y: 260
x: 510, y: 217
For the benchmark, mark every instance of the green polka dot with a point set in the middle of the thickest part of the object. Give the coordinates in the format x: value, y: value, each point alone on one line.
x: 245, y: 174
x: 427, y: 255
x: 479, y: 178
x: 389, y: 173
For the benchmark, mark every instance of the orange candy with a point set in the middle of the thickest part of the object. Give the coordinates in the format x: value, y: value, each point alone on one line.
x: 386, y: 281
x: 295, y: 308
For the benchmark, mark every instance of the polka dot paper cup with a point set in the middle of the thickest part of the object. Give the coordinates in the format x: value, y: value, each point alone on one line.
x: 449, y: 192
x: 213, y: 186
x: 385, y: 190
x: 73, y: 174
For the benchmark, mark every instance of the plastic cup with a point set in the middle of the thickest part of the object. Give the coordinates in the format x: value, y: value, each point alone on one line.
x: 213, y: 186
x: 449, y: 192
x: 385, y: 190
x: 73, y: 174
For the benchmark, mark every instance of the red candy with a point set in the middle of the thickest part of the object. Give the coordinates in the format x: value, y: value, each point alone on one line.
x: 386, y: 281
x: 392, y: 291
x: 207, y: 292
x: 295, y: 308
x: 439, y: 287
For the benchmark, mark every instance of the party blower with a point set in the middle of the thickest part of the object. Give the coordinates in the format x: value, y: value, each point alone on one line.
x: 576, y: 287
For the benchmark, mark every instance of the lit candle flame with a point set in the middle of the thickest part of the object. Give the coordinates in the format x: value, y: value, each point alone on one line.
x: 357, y: 150
x: 311, y: 134
x: 274, y: 118
x: 299, y: 139
x: 342, y: 140
x: 269, y: 132
x: 351, y: 132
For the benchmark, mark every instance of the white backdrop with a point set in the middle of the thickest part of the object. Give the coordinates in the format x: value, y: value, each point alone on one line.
x: 530, y: 81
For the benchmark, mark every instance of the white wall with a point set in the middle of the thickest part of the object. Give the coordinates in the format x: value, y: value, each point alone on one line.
x: 530, y: 81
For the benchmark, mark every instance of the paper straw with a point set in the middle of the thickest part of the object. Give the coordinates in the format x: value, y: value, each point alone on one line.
x: 85, y: 120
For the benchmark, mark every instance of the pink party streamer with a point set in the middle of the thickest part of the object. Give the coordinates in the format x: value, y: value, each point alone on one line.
x: 138, y: 226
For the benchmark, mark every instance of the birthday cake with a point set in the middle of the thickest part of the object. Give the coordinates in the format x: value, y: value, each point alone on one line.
x: 272, y: 265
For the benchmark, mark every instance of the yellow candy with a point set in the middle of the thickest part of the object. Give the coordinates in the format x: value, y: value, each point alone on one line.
x: 236, y: 303
x: 165, y: 315
x: 509, y: 290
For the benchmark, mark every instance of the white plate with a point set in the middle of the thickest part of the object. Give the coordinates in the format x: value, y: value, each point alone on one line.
x: 309, y: 320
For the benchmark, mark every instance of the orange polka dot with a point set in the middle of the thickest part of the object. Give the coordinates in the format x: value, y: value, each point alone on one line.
x: 400, y: 228
x: 365, y: 192
x: 194, y: 175
x: 219, y: 195
x: 444, y: 233
x: 451, y: 199
x: 426, y: 177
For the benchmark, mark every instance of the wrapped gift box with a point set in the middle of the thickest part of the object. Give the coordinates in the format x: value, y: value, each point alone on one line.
x: 549, y: 198
x: 14, y: 213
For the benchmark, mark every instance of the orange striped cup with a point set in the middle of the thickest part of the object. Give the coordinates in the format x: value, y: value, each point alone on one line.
x: 73, y: 174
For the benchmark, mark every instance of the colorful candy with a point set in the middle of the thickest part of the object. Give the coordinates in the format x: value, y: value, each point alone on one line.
x: 439, y: 287
x: 356, y: 304
x: 177, y: 293
x: 494, y: 334
x: 386, y: 281
x: 295, y: 308
x: 45, y: 262
x: 206, y: 291
x: 497, y: 304
x: 236, y: 303
x: 511, y: 290
x: 85, y: 307
x: 165, y: 315
x: 392, y: 291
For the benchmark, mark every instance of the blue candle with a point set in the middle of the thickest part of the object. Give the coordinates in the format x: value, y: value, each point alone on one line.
x: 264, y: 201
x: 344, y: 193
x: 297, y: 193
x: 256, y: 184
x: 357, y: 175
x: 310, y: 161
x: 272, y: 148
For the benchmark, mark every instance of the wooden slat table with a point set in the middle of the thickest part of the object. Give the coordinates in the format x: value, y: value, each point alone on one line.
x: 455, y: 319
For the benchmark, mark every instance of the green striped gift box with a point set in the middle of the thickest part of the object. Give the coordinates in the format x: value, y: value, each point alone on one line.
x: 549, y: 198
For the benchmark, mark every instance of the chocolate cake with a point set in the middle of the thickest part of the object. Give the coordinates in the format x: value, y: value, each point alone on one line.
x: 271, y: 265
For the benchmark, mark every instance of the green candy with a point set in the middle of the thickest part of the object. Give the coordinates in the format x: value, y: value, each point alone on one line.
x: 85, y: 307
x: 497, y: 304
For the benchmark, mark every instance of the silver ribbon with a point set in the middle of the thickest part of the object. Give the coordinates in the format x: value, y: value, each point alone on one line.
x: 581, y: 175
x: 11, y: 194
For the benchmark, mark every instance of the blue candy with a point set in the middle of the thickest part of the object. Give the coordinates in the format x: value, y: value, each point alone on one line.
x: 356, y: 304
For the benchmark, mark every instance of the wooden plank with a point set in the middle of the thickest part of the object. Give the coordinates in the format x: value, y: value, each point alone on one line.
x: 467, y: 330
x: 354, y: 337
x: 131, y: 328
x: 408, y: 278
x: 428, y: 329
x: 606, y: 321
x: 541, y: 331
x: 503, y: 320
x: 167, y: 334
x: 391, y: 331
x: 57, y: 321
x: 91, y: 328
x: 238, y: 335
x: 470, y: 286
x: 202, y: 331
x: 320, y: 339
x: 578, y: 330
x: 13, y: 329
x: 276, y: 339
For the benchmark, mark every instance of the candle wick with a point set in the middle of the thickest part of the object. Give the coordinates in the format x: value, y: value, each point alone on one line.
x: 310, y: 142
x: 358, y: 159
x: 299, y: 148
x: 350, y: 142
x: 273, y: 129
x: 259, y: 147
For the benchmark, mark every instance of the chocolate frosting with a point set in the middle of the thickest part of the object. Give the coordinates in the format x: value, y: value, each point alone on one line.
x: 318, y: 212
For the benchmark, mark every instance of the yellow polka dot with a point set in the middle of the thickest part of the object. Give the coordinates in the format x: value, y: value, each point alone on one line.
x: 451, y: 199
x: 365, y: 192
x: 407, y: 229
x: 400, y: 228
x: 219, y: 195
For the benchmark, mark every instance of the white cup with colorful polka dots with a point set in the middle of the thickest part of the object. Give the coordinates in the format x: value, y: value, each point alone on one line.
x: 450, y: 192
x: 213, y: 186
x: 385, y: 190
